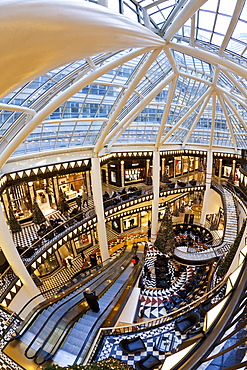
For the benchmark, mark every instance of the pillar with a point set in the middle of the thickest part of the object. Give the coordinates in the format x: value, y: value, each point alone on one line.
x: 163, y: 162
x: 8, y: 247
x: 56, y: 190
x: 208, y: 185
x: 99, y: 209
x: 31, y: 190
x: 147, y: 167
x: 155, y: 202
x: 122, y: 174
x: 233, y: 169
x: 88, y: 183
x: 220, y: 169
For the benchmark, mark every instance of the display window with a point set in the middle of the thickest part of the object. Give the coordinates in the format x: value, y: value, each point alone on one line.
x: 116, y: 225
x: 178, y: 166
x: 134, y: 170
x: 113, y: 176
x: 44, y: 192
x: 185, y: 164
x: 66, y: 250
x: 133, y: 175
x: 48, y: 266
x: 227, y: 171
x: 129, y: 222
x: 19, y: 200
x: 191, y: 163
x: 72, y: 185
x: 83, y: 241
x: 196, y: 162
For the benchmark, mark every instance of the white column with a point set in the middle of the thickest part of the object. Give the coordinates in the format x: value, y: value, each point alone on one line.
x: 122, y: 173
x: 88, y: 183
x: 233, y: 168
x: 220, y: 169
x: 99, y: 209
x: 8, y: 247
x: 155, y: 202
x: 147, y: 167
x: 163, y: 162
x: 208, y: 185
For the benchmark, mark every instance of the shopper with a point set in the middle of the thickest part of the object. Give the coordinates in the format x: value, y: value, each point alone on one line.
x: 78, y: 201
x: 135, y: 260
x: 85, y: 199
x: 69, y: 261
x: 64, y: 262
x: 92, y: 300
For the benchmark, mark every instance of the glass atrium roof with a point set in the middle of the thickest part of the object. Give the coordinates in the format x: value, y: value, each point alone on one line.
x: 190, y: 93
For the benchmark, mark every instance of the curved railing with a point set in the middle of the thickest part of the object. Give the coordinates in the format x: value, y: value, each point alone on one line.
x: 230, y: 233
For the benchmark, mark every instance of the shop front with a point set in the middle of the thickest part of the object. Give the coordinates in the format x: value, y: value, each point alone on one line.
x: 47, y: 192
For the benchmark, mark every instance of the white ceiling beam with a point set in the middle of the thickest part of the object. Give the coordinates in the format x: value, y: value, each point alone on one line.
x: 209, y: 57
x: 61, y: 98
x: 166, y: 111
x: 172, y: 60
x: 186, y: 13
x: 213, y: 120
x: 82, y: 119
x: 139, y: 107
x: 236, y: 83
x: 226, y: 98
x: 196, y: 121
x: 122, y: 101
x: 155, y: 3
x: 232, y: 96
x: 125, y: 126
x: 17, y: 108
x: 227, y: 120
x: 192, y: 77
x: 190, y: 111
x: 192, y: 30
x: 232, y: 25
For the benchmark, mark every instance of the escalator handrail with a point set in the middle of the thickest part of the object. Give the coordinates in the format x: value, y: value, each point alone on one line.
x: 53, y: 313
x: 64, y: 328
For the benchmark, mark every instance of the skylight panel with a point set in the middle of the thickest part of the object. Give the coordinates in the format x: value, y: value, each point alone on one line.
x: 210, y: 5
x: 227, y: 7
x: 206, y: 20
x: 217, y: 39
x: 158, y: 18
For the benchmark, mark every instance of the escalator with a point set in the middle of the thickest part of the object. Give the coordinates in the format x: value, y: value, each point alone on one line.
x: 45, y: 334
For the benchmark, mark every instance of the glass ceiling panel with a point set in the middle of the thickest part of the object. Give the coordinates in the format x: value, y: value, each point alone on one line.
x: 100, y: 98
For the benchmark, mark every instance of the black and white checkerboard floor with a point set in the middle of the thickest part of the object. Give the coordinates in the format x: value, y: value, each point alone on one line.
x: 5, y: 362
x: 110, y: 344
x: 152, y: 298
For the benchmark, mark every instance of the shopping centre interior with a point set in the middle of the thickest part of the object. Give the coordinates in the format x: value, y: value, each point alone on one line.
x: 124, y: 170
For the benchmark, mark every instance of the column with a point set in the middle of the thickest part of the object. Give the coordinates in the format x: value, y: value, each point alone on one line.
x: 8, y: 247
x: 208, y: 185
x: 122, y: 174
x: 147, y: 167
x: 233, y: 169
x: 31, y: 190
x: 220, y: 169
x: 163, y: 162
x: 56, y: 190
x: 88, y: 183
x: 99, y: 209
x: 155, y: 202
